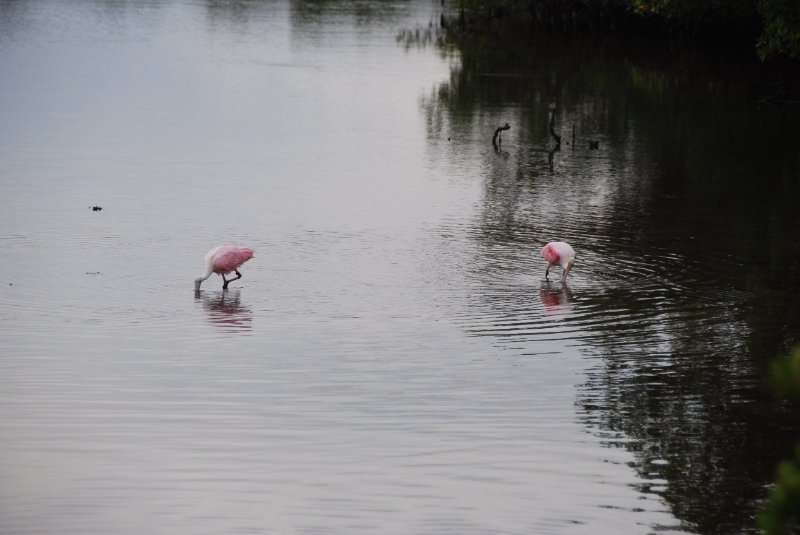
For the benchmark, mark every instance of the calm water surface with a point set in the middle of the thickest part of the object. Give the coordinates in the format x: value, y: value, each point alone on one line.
x: 393, y: 360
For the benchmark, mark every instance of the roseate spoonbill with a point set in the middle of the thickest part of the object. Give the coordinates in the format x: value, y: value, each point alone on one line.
x: 559, y: 253
x: 224, y: 259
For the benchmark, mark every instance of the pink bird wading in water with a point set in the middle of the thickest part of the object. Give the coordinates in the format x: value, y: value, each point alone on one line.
x: 559, y: 253
x: 222, y: 260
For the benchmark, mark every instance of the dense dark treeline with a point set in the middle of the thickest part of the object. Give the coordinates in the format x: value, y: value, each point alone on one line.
x: 772, y: 27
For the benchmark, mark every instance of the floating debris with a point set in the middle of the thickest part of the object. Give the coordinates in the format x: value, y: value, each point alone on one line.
x: 96, y: 208
x: 93, y: 273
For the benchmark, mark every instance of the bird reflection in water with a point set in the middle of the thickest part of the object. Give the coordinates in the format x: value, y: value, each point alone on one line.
x: 226, y: 310
x: 556, y: 298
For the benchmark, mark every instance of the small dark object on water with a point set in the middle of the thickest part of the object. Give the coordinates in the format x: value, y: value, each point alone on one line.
x: 96, y: 208
x: 497, y: 139
x: 594, y: 145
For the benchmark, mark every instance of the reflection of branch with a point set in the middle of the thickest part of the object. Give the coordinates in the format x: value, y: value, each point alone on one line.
x: 780, y: 98
x: 550, y: 154
x: 557, y: 148
x: 552, y: 127
x: 497, y: 140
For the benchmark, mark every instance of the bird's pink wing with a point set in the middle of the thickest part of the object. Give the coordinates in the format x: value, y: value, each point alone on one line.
x: 565, y: 250
x: 550, y: 254
x: 230, y: 257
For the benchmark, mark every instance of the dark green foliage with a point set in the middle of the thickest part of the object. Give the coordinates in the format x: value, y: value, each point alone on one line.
x: 781, y: 28
x: 781, y: 515
x: 784, y: 375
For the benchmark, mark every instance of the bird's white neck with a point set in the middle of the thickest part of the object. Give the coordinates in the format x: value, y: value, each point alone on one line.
x: 199, y: 280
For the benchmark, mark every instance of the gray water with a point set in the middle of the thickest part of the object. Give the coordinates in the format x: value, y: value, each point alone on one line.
x: 393, y: 360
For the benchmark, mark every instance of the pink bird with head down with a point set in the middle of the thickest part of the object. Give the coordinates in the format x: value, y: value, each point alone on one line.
x: 222, y: 260
x: 559, y: 253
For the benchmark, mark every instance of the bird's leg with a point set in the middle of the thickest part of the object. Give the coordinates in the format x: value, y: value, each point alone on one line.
x: 546, y: 272
x: 227, y: 281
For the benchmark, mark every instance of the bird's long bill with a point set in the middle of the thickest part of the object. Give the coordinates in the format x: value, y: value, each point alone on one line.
x: 567, y: 270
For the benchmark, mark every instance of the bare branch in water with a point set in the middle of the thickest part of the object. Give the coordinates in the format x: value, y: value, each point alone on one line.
x: 497, y: 139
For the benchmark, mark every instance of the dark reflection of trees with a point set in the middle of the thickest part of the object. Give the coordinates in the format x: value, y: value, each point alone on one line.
x: 684, y: 386
x: 701, y: 184
x: 237, y: 16
x: 235, y: 11
x: 312, y: 21
x: 12, y: 14
x: 363, y: 13
x: 421, y: 37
